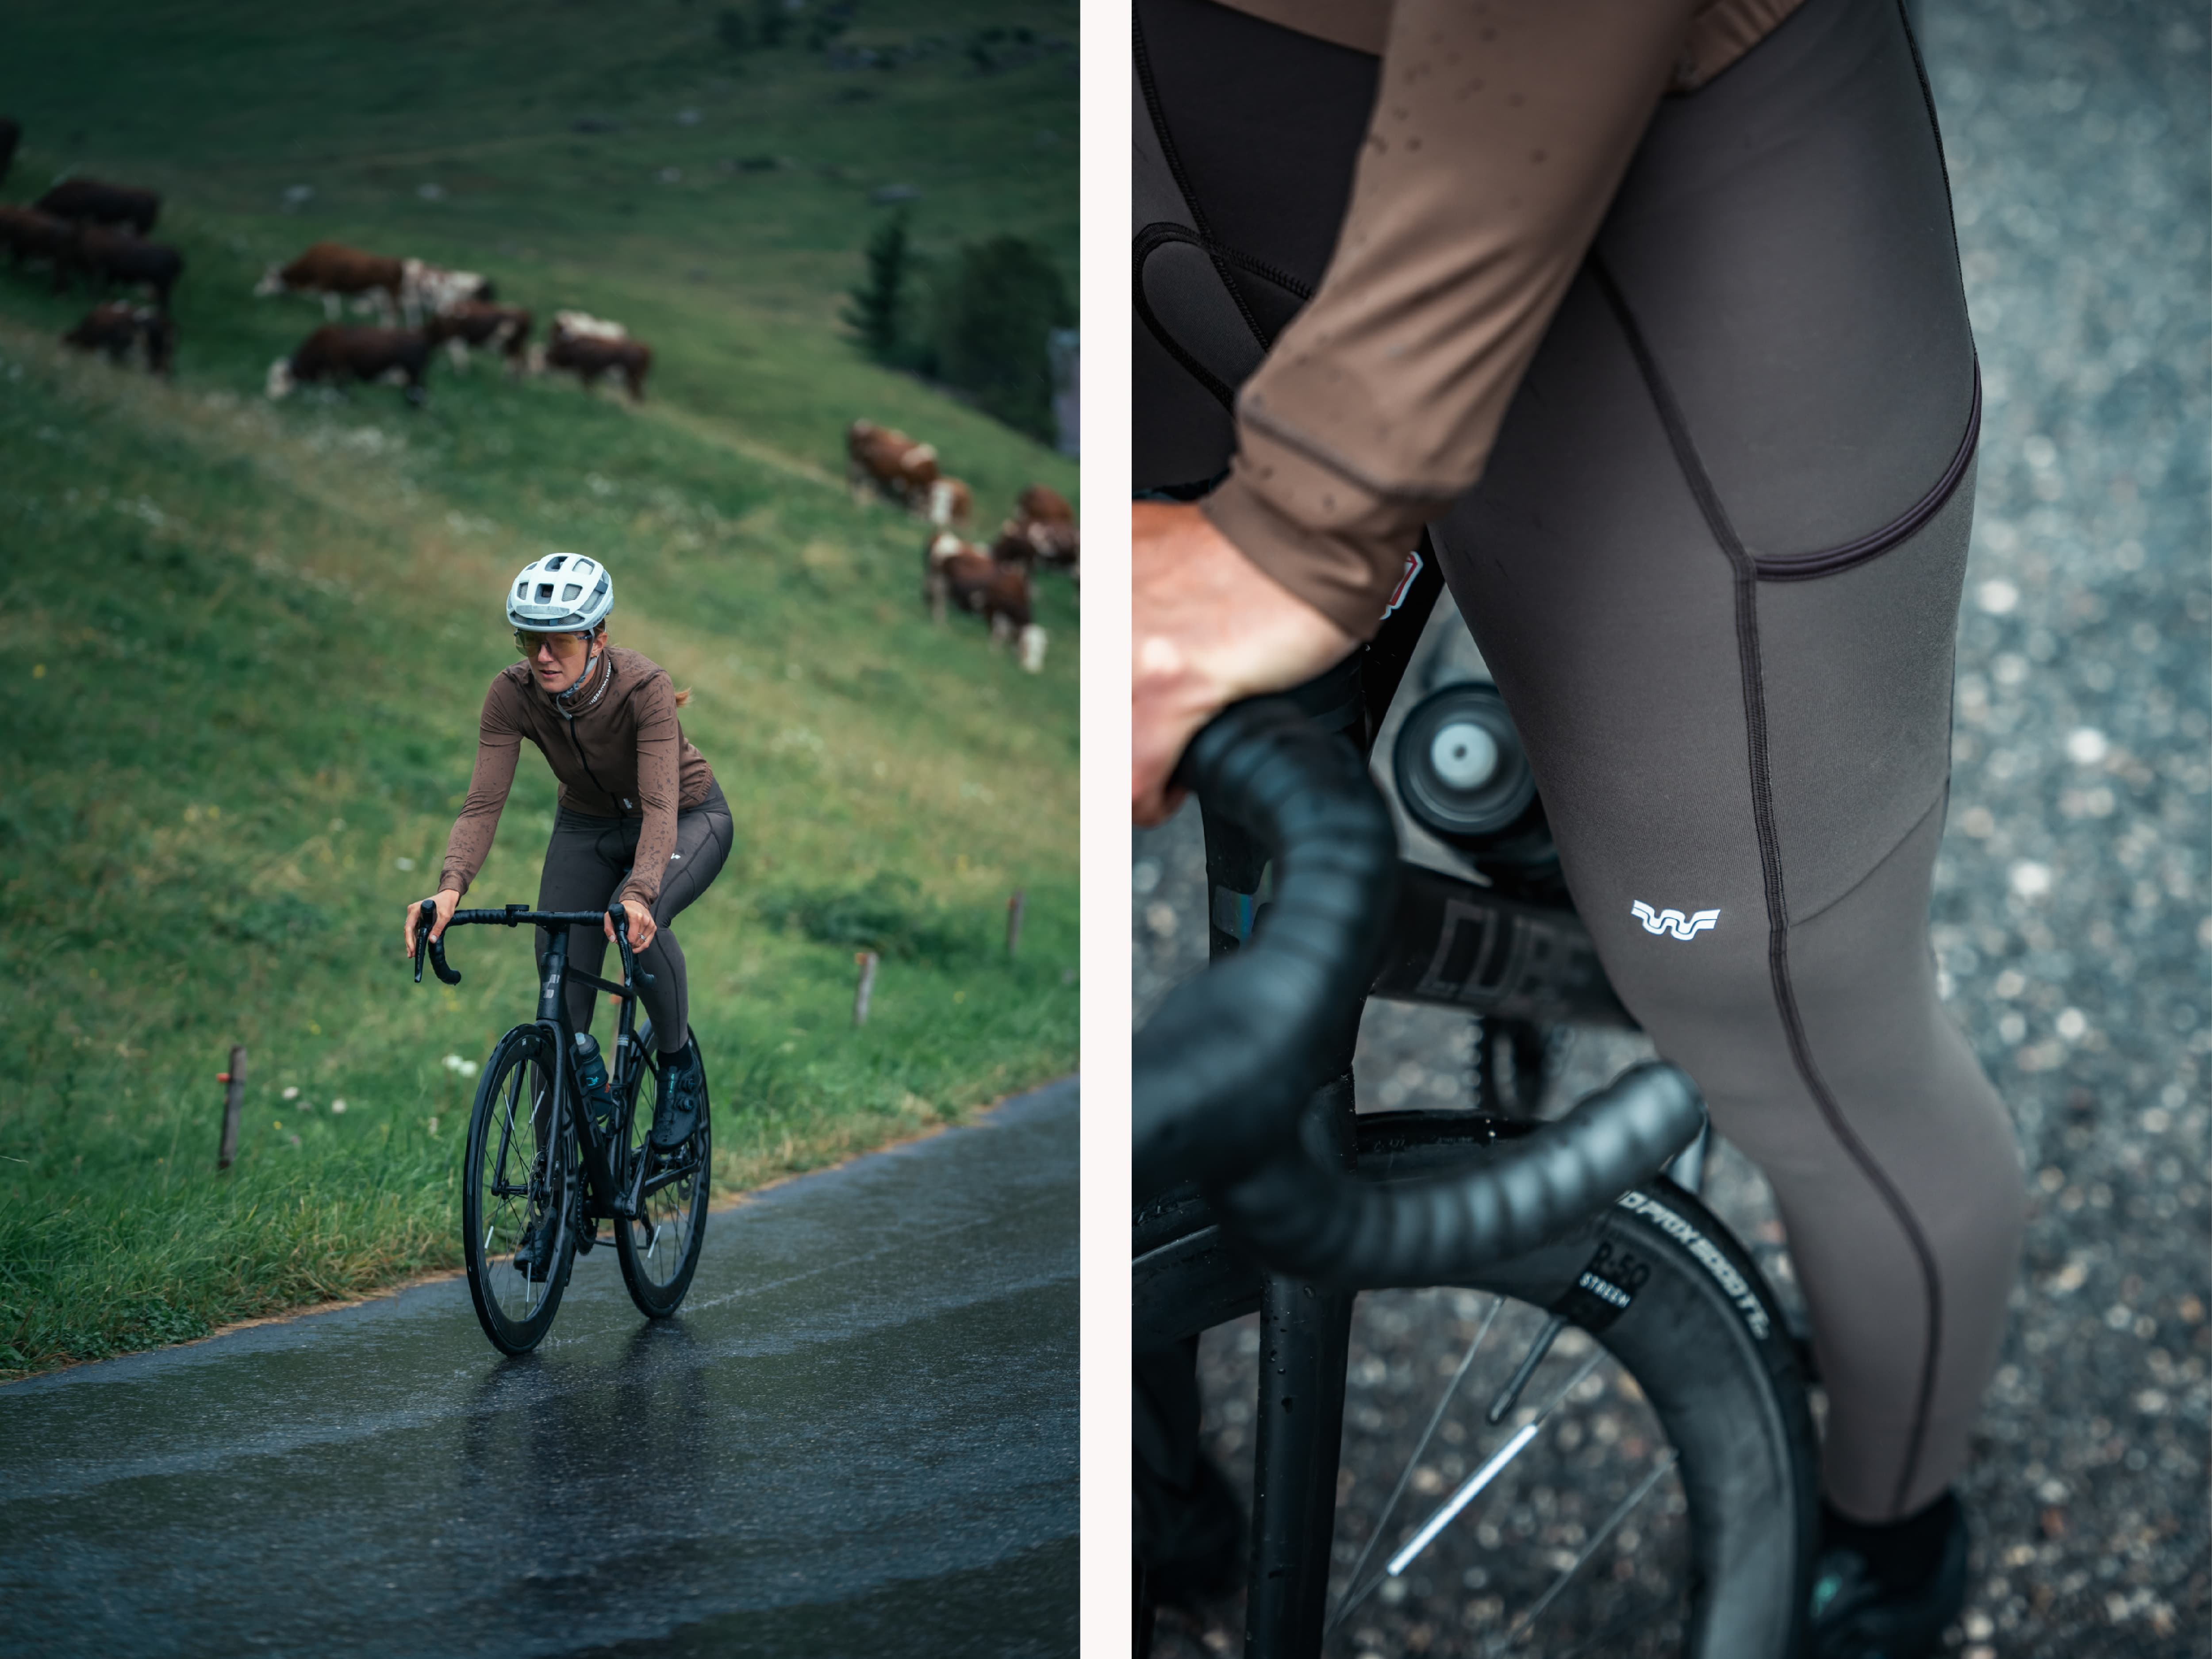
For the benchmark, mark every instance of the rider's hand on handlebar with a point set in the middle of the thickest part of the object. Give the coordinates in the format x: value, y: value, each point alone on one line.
x: 642, y: 926
x: 1208, y: 628
x: 446, y: 902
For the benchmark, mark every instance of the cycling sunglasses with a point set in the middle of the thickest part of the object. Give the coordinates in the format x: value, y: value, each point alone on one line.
x: 527, y: 643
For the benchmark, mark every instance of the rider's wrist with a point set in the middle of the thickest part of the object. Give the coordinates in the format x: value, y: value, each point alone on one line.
x: 1327, y: 540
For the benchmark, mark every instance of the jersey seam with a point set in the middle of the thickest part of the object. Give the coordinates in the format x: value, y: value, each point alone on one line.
x: 1745, y: 582
x: 1322, y: 455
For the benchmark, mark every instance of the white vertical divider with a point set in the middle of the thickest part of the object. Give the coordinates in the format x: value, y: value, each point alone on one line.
x: 1106, y: 312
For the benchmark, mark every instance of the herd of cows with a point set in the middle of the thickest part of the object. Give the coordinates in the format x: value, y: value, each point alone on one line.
x: 85, y: 229
x: 996, y: 582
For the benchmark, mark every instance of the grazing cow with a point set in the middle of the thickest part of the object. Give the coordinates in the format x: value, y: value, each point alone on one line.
x: 1056, y: 545
x: 584, y: 326
x: 117, y: 330
x: 949, y: 503
x: 882, y: 459
x: 590, y: 354
x: 504, y: 328
x: 431, y: 290
x: 959, y: 573
x: 89, y: 202
x: 29, y: 235
x: 339, y: 273
x: 1041, y: 504
x: 1042, y: 532
x: 11, y: 134
x: 109, y: 256
x: 338, y: 355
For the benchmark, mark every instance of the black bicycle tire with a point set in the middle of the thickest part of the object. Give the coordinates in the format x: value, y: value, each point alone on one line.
x: 1724, y: 1383
x: 511, y: 1336
x: 660, y: 1301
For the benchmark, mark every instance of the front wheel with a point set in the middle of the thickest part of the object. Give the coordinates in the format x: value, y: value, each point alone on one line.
x: 659, y: 1247
x: 1649, y: 1487
x: 519, y: 1184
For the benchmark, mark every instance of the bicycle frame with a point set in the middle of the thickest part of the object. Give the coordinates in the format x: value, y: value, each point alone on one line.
x: 605, y: 1192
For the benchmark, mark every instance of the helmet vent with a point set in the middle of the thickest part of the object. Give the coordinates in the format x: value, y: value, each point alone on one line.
x: 544, y: 592
x: 555, y: 562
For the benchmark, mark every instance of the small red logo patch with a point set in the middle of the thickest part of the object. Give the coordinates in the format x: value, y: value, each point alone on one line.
x: 1405, y: 581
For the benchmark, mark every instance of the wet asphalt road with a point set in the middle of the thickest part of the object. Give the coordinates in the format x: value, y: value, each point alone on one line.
x: 859, y: 1437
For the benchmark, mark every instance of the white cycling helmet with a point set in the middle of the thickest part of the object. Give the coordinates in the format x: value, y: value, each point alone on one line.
x: 560, y: 593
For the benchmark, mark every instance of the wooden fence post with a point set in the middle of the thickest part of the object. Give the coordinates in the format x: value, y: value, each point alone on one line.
x: 861, y: 991
x: 233, y: 1104
x: 1014, y: 909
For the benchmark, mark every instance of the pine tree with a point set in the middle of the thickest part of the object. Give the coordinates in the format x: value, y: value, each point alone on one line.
x: 879, y: 305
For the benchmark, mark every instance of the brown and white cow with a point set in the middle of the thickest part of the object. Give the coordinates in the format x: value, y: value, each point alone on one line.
x: 590, y: 351
x: 110, y: 257
x: 339, y: 273
x: 337, y: 354
x: 1042, y: 504
x: 27, y: 233
x: 884, y: 459
x: 90, y: 202
x: 959, y: 573
x: 503, y: 328
x: 583, y: 325
x: 949, y: 502
x: 119, y: 330
x: 1042, y: 532
x: 427, y: 290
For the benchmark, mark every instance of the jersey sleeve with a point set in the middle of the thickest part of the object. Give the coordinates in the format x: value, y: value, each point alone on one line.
x: 659, y: 787
x: 1500, y: 134
x: 499, y: 747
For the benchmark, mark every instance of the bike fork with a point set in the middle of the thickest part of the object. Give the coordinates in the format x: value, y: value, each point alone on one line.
x: 1304, y: 1335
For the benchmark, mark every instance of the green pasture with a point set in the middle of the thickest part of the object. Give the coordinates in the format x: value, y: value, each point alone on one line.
x: 249, y: 641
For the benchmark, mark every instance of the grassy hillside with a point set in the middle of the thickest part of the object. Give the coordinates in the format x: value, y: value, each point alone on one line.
x: 251, y: 640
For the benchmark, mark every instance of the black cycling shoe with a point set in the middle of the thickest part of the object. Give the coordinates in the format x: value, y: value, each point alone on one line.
x: 1857, y: 1615
x: 683, y: 1091
x: 533, y: 1257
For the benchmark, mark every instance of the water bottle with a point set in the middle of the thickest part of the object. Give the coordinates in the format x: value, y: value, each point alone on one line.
x: 592, y: 1069
x: 1463, y: 776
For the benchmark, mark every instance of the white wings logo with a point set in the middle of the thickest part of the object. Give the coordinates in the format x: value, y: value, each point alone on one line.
x: 1673, y: 921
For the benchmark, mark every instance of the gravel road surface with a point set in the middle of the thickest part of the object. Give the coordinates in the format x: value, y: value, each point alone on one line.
x: 2071, y: 915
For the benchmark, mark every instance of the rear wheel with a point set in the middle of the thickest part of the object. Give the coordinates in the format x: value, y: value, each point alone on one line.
x: 519, y: 1183
x: 659, y: 1247
x: 1652, y: 1486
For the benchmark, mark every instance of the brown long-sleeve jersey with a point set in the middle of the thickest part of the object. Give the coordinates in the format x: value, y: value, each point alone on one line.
x: 1501, y: 129
x: 626, y: 756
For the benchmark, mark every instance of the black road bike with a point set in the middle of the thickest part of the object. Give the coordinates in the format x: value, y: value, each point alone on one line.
x: 544, y: 1166
x: 1597, y: 1410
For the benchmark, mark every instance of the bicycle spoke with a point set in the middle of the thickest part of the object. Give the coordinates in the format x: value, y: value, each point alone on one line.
x: 1509, y: 1395
x: 1524, y: 1621
x: 1488, y: 1472
x: 1405, y: 1475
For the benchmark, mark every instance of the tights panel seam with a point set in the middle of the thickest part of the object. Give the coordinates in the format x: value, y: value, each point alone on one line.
x: 1745, y: 582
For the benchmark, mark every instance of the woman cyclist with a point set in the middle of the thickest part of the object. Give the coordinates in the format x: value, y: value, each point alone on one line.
x: 641, y: 818
x: 1650, y: 312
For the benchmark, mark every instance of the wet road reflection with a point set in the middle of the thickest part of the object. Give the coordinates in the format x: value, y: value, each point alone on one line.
x: 859, y: 1437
